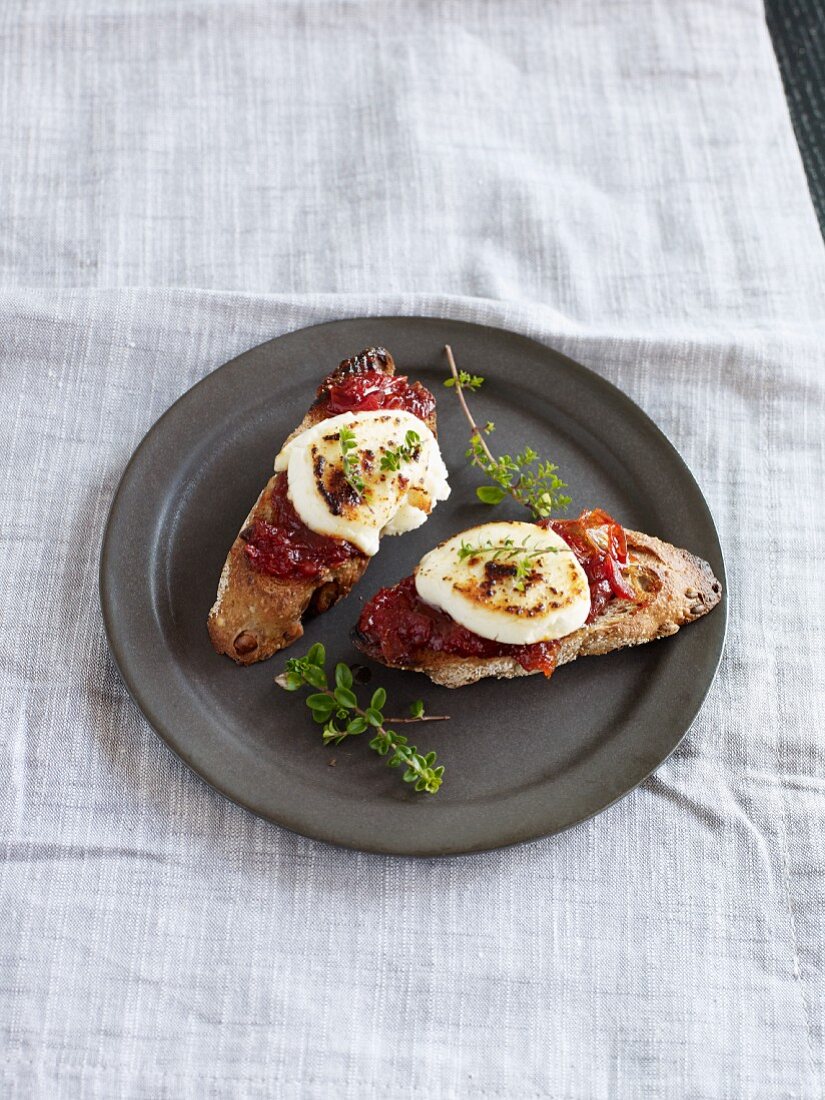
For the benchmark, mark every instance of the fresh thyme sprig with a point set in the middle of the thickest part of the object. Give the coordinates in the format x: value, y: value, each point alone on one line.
x: 522, y: 557
x: 338, y: 711
x: 465, y: 380
x: 531, y: 482
x: 349, y: 460
x: 391, y: 460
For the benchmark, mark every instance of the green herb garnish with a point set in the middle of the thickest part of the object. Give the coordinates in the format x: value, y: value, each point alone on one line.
x: 525, y: 478
x: 337, y: 709
x: 391, y: 460
x: 523, y: 558
x: 349, y: 460
x: 465, y: 381
x: 532, y: 483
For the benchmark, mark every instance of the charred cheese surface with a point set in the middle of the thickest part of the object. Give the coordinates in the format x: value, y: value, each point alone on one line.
x: 508, y: 582
x: 392, y: 500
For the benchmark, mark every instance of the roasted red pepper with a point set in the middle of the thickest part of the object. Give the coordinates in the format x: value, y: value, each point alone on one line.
x: 602, y: 564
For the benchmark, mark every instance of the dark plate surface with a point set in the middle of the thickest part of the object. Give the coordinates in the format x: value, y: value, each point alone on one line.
x: 573, y: 745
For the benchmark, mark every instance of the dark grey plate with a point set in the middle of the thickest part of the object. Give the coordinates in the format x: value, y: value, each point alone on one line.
x: 523, y: 758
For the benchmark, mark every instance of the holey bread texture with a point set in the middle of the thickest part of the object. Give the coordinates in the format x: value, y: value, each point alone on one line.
x: 672, y: 586
x: 256, y: 614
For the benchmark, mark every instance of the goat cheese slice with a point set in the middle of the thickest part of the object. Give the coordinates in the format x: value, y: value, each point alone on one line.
x: 397, y: 495
x: 509, y: 582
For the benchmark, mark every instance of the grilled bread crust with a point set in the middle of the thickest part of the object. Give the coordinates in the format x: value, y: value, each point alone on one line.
x: 677, y: 586
x: 255, y: 614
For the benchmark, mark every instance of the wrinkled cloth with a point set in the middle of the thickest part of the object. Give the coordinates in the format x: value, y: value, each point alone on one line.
x: 181, y: 181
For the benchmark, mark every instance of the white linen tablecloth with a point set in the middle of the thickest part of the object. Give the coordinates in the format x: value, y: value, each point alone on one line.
x: 180, y: 180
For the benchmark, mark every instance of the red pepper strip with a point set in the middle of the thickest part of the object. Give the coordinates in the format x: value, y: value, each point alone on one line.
x: 617, y: 581
x: 617, y: 543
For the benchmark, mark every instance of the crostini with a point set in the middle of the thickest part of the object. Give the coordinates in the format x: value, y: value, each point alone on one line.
x: 364, y: 462
x: 513, y: 599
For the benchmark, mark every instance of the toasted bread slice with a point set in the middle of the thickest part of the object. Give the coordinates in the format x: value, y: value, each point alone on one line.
x: 674, y: 588
x: 255, y: 614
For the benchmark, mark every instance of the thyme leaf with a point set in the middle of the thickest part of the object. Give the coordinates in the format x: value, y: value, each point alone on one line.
x: 349, y: 459
x: 409, y: 449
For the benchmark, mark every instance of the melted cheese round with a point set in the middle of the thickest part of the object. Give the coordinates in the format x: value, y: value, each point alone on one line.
x: 483, y: 591
x: 391, y: 502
